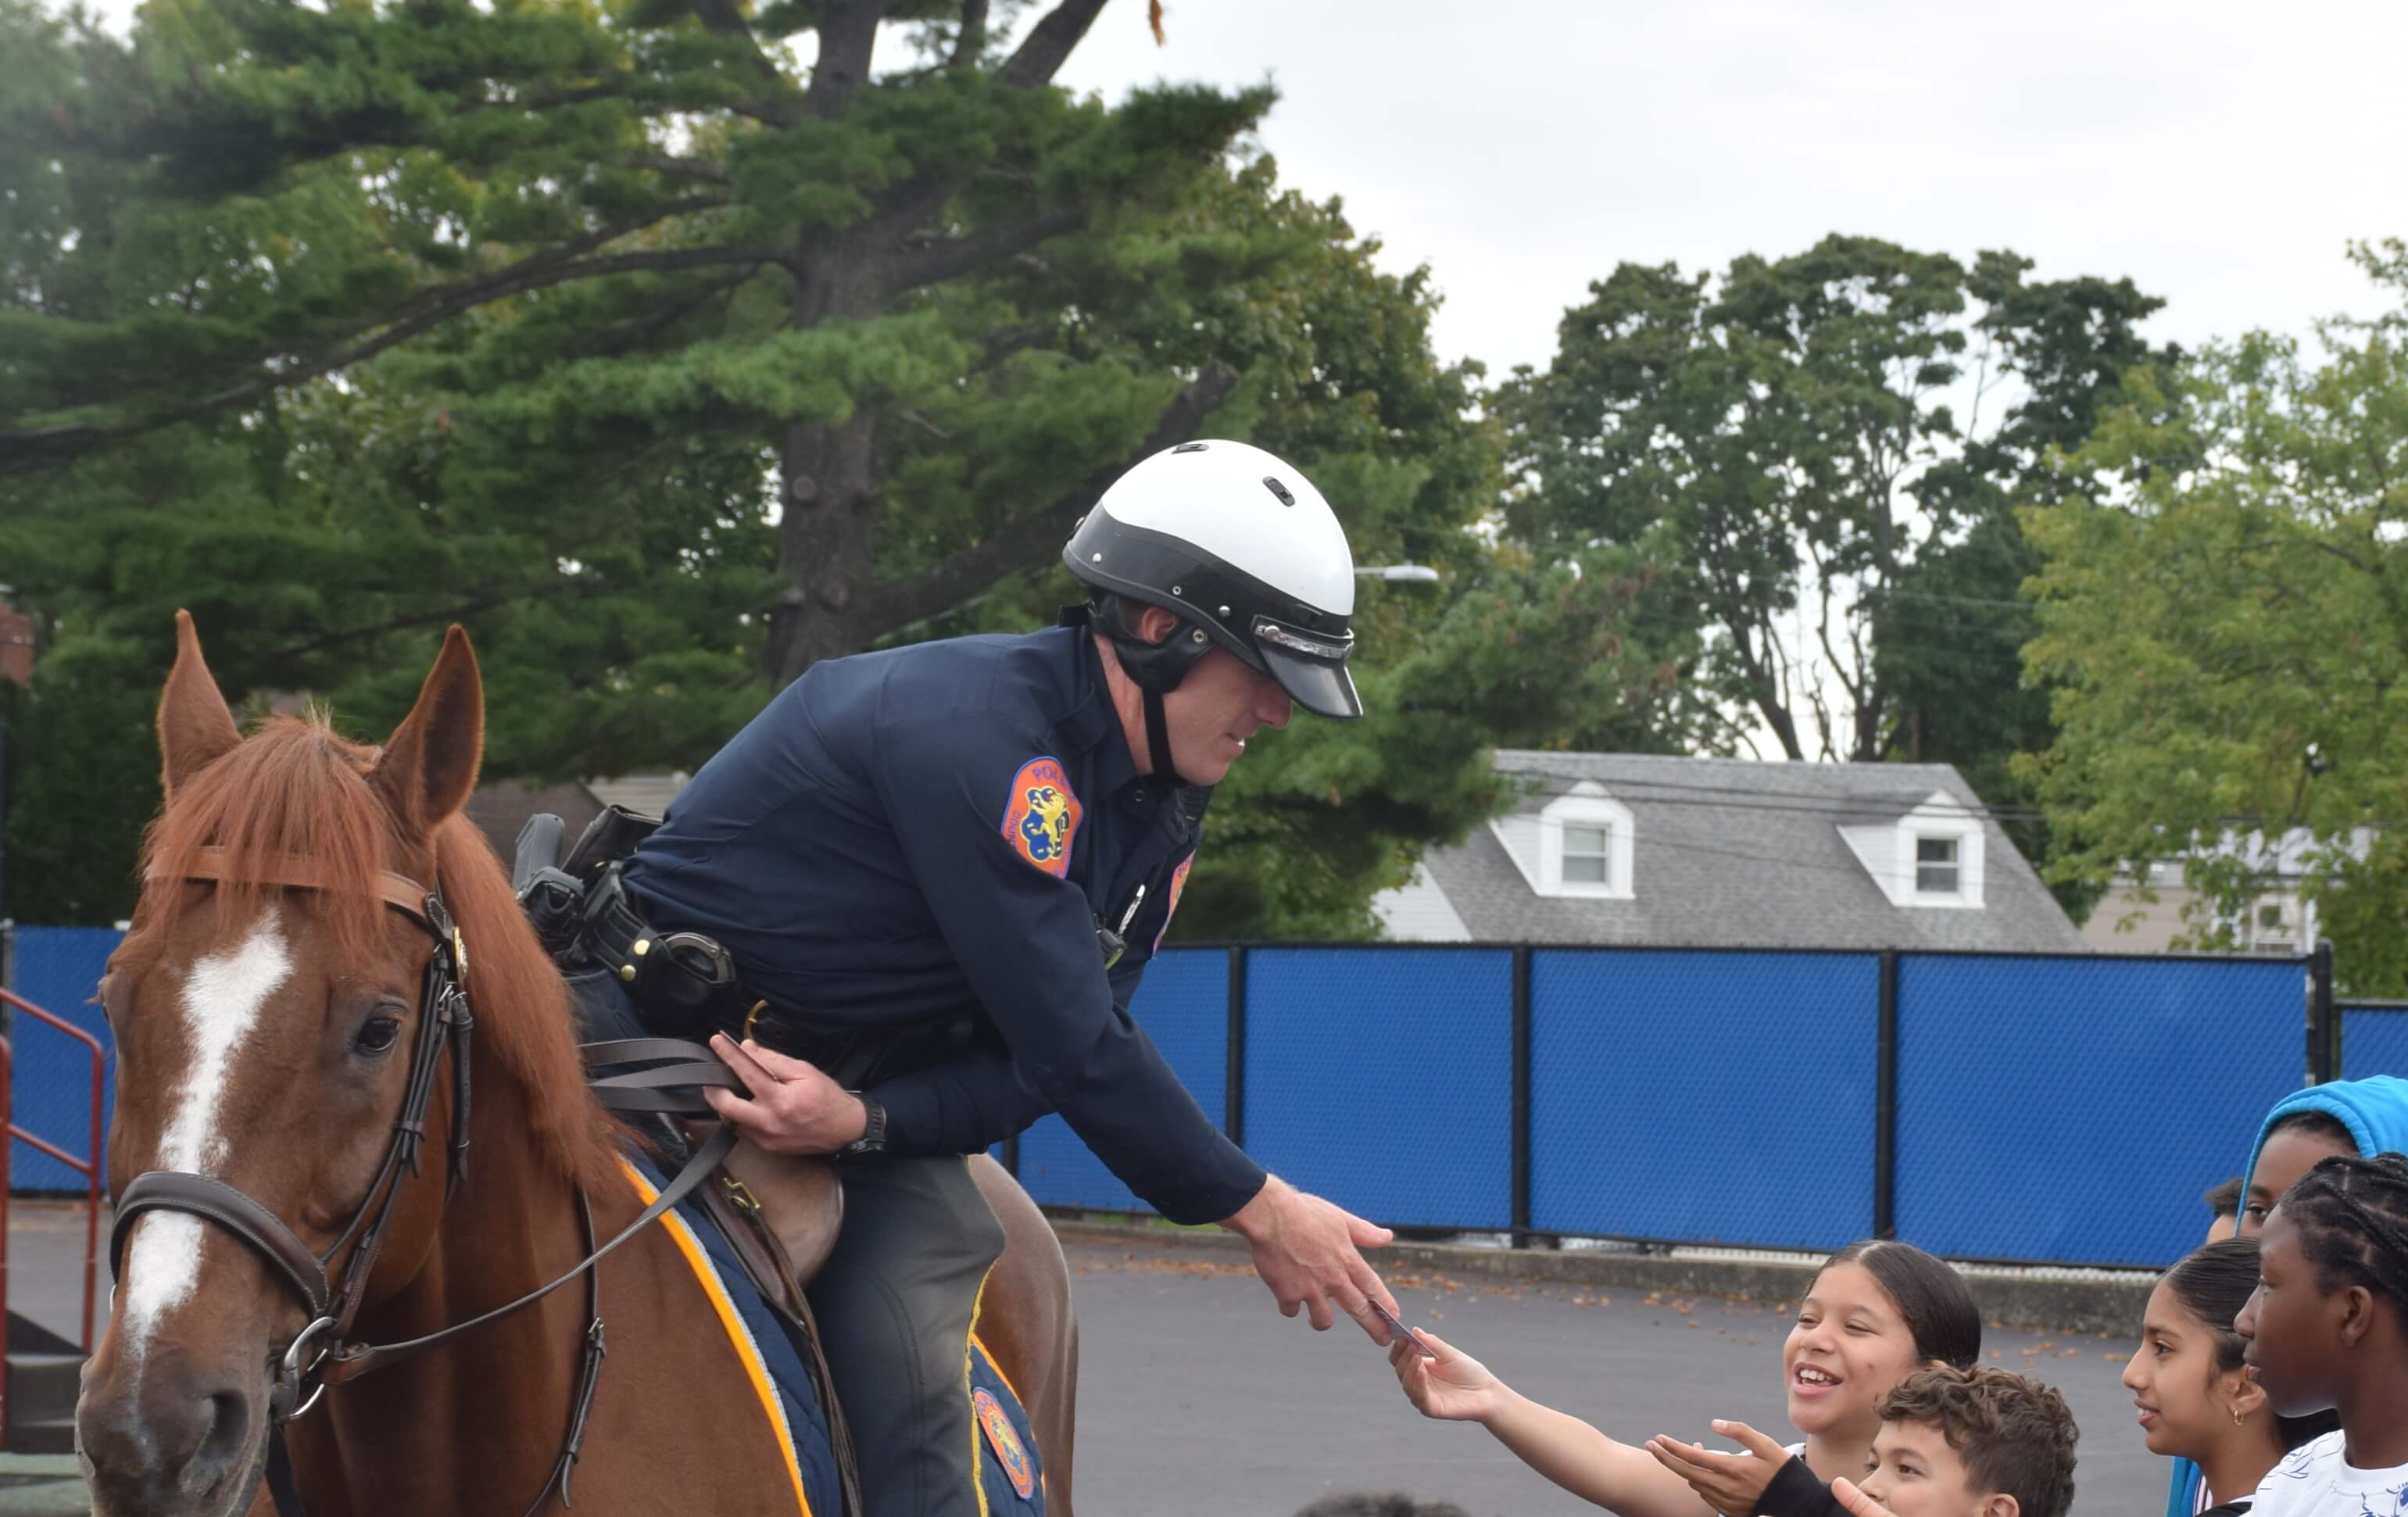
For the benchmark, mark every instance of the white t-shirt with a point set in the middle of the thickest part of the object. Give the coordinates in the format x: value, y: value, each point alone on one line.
x: 2313, y: 1481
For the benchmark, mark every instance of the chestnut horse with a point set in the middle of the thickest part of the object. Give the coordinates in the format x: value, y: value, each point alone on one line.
x: 272, y: 1007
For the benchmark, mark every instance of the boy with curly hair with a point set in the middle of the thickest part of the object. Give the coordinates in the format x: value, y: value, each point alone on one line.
x: 1972, y: 1443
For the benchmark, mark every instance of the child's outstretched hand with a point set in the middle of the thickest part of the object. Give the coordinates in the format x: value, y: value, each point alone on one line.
x: 1728, y: 1482
x: 1856, y: 1500
x: 1454, y: 1387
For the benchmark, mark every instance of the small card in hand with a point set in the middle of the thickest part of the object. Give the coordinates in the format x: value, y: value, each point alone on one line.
x: 1398, y: 1330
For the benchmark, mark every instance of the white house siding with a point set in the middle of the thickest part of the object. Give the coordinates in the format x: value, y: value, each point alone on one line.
x: 1419, y: 912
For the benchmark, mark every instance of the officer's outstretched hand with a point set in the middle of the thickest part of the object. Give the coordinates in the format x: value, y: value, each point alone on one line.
x: 1307, y: 1252
x: 794, y: 1107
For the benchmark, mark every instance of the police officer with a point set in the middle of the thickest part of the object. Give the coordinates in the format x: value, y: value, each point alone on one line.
x: 940, y: 871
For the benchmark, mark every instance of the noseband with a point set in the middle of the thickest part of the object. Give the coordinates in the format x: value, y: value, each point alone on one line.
x: 323, y: 1353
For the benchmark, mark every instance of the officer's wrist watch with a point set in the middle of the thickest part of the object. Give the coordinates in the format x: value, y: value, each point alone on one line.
x: 873, y: 1131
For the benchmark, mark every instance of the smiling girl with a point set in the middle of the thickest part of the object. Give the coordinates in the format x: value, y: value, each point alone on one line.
x: 2328, y: 1327
x: 1877, y: 1311
x: 2197, y: 1399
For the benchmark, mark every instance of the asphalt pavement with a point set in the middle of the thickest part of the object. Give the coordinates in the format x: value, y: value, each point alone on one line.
x: 1198, y: 1399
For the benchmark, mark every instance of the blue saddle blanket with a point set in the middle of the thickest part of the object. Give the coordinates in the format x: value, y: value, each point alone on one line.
x: 1009, y: 1474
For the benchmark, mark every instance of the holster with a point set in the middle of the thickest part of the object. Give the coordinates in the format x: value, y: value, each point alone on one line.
x: 683, y: 984
x: 613, y: 836
x: 687, y: 985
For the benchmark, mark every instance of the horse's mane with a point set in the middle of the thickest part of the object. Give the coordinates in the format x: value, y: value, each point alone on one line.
x: 296, y: 787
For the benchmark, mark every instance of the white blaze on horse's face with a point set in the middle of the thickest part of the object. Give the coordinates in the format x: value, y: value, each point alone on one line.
x: 222, y: 996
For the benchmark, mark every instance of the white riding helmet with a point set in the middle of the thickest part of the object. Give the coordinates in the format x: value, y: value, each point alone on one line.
x: 1245, y: 551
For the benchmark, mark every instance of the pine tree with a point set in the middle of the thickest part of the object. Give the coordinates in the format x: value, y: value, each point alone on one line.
x: 674, y: 347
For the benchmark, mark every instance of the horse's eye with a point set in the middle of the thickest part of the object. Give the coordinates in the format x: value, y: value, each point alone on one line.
x: 377, y: 1035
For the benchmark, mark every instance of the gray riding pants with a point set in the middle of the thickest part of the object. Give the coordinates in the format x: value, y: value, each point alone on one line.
x: 895, y: 1304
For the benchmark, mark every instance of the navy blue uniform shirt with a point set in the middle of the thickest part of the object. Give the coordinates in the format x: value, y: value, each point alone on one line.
x: 904, y: 836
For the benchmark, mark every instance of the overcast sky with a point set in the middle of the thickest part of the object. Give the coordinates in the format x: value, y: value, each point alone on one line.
x: 2220, y: 153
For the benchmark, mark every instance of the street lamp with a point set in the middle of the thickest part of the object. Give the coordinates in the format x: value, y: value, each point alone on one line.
x: 1414, y: 574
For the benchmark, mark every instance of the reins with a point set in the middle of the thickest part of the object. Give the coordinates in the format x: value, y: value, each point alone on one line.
x: 323, y: 1353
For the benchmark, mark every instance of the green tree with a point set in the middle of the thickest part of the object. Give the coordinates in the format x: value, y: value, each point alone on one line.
x: 2227, y: 632
x: 1786, y: 428
x: 638, y: 243
x: 1765, y: 424
x: 82, y: 776
x: 1949, y: 634
x: 669, y: 365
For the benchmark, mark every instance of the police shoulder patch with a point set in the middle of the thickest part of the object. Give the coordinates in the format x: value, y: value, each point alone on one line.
x: 1041, y: 819
x: 1004, y: 1440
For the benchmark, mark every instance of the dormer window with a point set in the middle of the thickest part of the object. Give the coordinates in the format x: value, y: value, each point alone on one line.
x: 1588, y: 854
x: 1932, y: 855
x: 1936, y: 866
x: 1577, y: 844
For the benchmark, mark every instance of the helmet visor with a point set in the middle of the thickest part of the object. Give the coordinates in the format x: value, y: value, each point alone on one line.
x: 1321, y: 686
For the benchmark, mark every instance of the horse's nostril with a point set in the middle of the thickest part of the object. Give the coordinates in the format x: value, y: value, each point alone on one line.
x: 225, y: 1438
x: 162, y: 1450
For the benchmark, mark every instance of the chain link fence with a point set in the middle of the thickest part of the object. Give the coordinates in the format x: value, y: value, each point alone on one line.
x: 58, y: 969
x: 2050, y: 1109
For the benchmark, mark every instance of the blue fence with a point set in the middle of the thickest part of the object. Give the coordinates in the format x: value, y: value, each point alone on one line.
x: 1368, y: 1076
x: 1702, y: 1095
x: 1187, y: 1016
x: 57, y: 968
x: 2373, y: 1039
x: 2064, y: 1110
x: 2075, y: 1109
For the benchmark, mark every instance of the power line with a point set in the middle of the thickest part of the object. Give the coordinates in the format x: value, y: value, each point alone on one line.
x: 1853, y: 871
x: 1807, y: 805
x: 1790, y: 800
x: 1895, y: 593
x: 1827, y: 805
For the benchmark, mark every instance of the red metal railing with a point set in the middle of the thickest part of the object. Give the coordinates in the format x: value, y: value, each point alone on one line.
x: 89, y: 1168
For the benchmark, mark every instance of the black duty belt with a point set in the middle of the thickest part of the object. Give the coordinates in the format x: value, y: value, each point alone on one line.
x: 686, y: 985
x: 682, y: 982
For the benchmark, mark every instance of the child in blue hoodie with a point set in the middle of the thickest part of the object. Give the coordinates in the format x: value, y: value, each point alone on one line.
x: 2355, y: 1118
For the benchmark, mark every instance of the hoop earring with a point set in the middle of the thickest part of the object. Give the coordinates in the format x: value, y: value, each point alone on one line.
x: 2239, y: 1419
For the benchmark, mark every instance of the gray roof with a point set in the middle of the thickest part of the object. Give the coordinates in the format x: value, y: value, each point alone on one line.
x: 648, y: 794
x: 502, y: 807
x: 1732, y: 852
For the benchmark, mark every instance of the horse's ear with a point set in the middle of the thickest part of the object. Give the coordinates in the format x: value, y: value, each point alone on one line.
x: 195, y: 728
x: 429, y: 765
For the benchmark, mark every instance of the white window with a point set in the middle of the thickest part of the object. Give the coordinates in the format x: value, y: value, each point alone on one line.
x: 2272, y: 931
x: 1585, y: 845
x: 1930, y: 857
x: 1936, y: 866
x: 1577, y: 844
x: 1588, y: 854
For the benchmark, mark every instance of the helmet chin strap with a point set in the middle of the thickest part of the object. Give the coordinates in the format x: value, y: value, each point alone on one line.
x: 1157, y: 739
x: 1156, y: 669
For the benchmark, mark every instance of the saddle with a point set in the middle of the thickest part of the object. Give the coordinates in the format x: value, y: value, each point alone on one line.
x: 781, y: 1212
x: 792, y: 1207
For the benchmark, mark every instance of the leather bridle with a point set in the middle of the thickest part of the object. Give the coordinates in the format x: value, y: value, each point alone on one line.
x: 323, y: 1353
